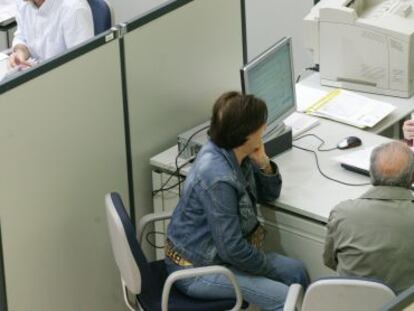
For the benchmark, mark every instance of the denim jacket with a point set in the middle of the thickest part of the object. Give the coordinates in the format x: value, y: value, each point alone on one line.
x: 217, y: 210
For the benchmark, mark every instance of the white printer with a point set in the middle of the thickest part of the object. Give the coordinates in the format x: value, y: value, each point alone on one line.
x: 365, y: 45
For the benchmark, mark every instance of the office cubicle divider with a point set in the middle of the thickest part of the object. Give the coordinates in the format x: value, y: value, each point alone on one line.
x: 3, y: 295
x: 244, y: 31
x: 127, y: 131
x: 176, y: 67
x: 63, y: 148
x: 71, y: 132
x: 23, y: 76
x: 155, y: 14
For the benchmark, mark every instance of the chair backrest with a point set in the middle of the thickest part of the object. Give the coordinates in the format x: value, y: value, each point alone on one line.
x: 342, y: 294
x: 129, y: 257
x: 102, y: 15
x: 404, y: 301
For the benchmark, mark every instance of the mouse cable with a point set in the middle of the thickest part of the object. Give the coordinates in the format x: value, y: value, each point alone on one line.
x: 182, y: 150
x: 163, y: 186
x: 317, y: 161
x: 322, y: 142
x: 314, y: 68
x: 154, y: 233
x: 178, y: 168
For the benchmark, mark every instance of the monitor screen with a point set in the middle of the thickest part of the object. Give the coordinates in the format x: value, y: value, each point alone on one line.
x: 270, y: 77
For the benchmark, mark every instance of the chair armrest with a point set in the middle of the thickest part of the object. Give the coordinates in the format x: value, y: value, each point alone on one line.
x: 151, y: 218
x: 189, y: 273
x: 294, y: 298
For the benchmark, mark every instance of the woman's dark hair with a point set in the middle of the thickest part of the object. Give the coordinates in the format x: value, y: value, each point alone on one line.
x: 236, y: 116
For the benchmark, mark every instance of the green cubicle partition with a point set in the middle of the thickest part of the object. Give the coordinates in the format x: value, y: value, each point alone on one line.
x: 3, y: 295
x: 62, y: 148
x: 178, y: 60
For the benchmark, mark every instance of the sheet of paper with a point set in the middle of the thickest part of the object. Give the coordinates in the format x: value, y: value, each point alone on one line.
x: 6, y: 71
x: 306, y: 96
x: 355, y: 109
x: 3, y: 56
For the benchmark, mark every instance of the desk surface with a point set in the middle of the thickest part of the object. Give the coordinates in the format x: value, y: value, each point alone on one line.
x: 305, y: 192
x: 7, y: 12
x: 404, y: 106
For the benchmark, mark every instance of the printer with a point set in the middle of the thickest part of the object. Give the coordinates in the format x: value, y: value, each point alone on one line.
x: 364, y: 45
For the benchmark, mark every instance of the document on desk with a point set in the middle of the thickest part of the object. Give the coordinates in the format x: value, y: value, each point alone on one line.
x: 350, y: 108
x: 306, y: 96
x: 6, y: 71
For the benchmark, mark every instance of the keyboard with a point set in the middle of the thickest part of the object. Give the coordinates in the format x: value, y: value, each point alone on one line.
x: 300, y: 123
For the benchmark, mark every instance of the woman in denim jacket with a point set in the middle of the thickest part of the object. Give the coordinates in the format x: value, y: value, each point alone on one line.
x: 215, y: 221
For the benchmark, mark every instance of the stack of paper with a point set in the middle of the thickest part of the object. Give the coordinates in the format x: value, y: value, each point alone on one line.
x: 343, y: 106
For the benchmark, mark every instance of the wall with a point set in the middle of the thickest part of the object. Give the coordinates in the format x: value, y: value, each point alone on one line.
x: 125, y: 10
x: 270, y: 20
x: 175, y: 72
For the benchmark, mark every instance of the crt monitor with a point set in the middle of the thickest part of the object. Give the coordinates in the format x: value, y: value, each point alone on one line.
x: 270, y: 77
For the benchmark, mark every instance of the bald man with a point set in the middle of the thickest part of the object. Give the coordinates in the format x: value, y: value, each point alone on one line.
x: 372, y: 236
x: 46, y: 28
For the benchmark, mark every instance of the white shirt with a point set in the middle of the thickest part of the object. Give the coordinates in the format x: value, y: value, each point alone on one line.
x: 54, y: 27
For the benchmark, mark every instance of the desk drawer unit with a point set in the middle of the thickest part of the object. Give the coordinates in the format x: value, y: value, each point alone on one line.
x: 296, y: 237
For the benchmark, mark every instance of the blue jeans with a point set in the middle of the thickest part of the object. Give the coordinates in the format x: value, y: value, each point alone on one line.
x: 268, y: 293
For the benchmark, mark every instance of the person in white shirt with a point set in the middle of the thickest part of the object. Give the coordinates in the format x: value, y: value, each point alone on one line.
x: 46, y: 28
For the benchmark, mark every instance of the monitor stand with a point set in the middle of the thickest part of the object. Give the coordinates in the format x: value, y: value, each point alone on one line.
x: 278, y: 141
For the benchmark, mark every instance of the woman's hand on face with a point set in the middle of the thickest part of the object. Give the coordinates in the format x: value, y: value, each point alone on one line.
x: 259, y: 157
x: 408, y: 129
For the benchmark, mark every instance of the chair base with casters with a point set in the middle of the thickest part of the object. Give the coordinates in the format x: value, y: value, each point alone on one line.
x: 339, y: 294
x: 147, y: 286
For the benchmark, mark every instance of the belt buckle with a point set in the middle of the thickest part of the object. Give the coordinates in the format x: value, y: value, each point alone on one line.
x: 175, y: 256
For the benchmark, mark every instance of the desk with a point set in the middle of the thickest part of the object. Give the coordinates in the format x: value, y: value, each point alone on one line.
x: 7, y: 18
x: 404, y: 106
x: 296, y: 221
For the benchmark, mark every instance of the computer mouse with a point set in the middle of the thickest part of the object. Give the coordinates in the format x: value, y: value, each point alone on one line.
x: 349, y: 142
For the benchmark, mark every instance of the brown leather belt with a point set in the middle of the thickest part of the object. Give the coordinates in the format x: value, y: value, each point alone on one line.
x: 174, y: 256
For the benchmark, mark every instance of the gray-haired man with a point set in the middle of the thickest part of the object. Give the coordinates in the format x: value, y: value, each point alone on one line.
x: 372, y: 236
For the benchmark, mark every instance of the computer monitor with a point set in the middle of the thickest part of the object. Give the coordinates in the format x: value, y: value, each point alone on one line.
x: 270, y: 77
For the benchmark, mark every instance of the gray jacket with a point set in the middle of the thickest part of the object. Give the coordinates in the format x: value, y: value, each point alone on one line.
x: 373, y: 237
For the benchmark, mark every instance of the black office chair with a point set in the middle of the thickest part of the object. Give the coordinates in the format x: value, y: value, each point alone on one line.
x: 102, y: 15
x: 149, y: 283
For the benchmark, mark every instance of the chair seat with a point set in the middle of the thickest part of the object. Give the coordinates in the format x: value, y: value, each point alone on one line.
x: 178, y: 300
